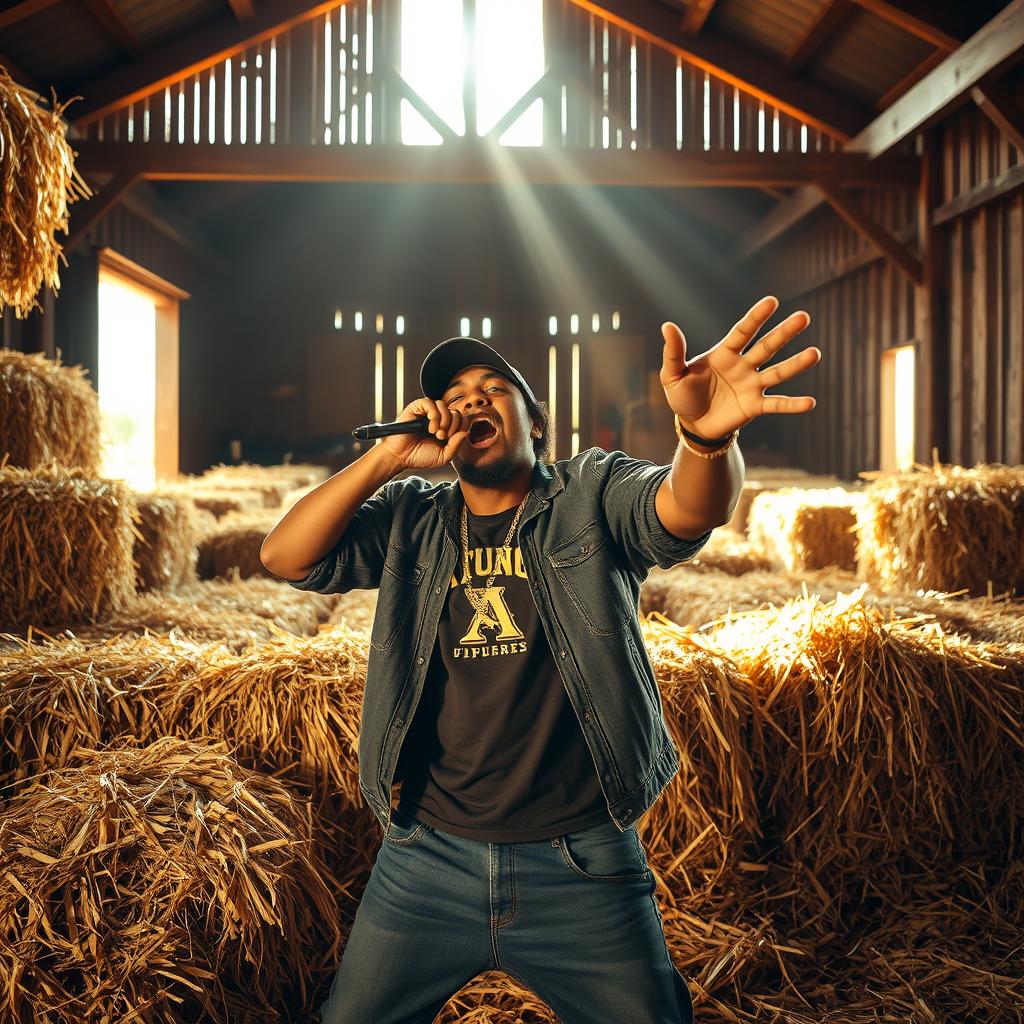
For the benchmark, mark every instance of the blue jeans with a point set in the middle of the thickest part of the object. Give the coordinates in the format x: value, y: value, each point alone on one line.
x: 573, y: 918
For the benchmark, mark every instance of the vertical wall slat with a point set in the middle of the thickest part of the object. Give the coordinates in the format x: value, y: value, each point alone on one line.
x: 1015, y: 332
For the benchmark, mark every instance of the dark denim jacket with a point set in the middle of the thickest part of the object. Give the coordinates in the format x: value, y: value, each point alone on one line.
x: 588, y: 537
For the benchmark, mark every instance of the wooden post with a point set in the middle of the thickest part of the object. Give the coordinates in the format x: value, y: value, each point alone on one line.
x: 932, y: 352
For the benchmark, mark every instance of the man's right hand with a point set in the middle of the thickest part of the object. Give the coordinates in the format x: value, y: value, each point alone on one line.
x: 426, y: 451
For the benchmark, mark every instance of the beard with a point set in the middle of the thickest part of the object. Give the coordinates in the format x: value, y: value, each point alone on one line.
x: 489, y: 474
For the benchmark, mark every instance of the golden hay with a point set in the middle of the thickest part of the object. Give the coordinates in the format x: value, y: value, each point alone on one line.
x: 66, y: 546
x: 944, y: 527
x: 235, y: 543
x: 697, y: 600
x: 167, y: 550
x: 216, y: 500
x: 355, y: 610
x: 730, y: 552
x: 165, y: 881
x: 294, y: 474
x: 231, y: 611
x: 39, y: 181
x: 48, y: 413
x: 269, y: 487
x: 806, y: 528
x: 757, y: 480
x: 875, y: 737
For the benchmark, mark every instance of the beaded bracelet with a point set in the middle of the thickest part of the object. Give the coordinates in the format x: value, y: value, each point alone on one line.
x: 682, y: 433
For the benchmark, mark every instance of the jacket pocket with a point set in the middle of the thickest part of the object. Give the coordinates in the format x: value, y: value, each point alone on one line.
x: 399, y: 584
x: 585, y: 568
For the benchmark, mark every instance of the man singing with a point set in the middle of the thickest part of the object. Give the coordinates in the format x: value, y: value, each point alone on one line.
x: 508, y: 689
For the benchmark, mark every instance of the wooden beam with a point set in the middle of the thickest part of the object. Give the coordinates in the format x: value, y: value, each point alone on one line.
x: 464, y: 162
x: 695, y: 16
x: 242, y: 9
x: 910, y: 79
x: 421, y: 106
x: 941, y: 25
x: 84, y: 215
x: 114, y: 25
x: 736, y: 65
x: 1005, y: 185
x: 994, y: 45
x: 879, y: 236
x: 189, y: 54
x: 18, y: 12
x: 830, y: 17
x: 1002, y: 109
x: 545, y: 86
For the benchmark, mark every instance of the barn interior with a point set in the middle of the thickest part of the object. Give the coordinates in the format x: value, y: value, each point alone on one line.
x: 231, y: 232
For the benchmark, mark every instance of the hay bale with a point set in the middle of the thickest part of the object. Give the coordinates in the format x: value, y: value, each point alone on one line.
x: 39, y: 179
x: 48, y: 413
x: 66, y: 543
x: 219, y: 501
x: 234, y: 544
x: 944, y: 527
x: 165, y: 877
x: 698, y: 600
x: 270, y: 488
x: 727, y: 551
x: 295, y: 474
x: 167, y: 550
x: 354, y: 610
x: 872, y: 738
x: 757, y: 480
x: 806, y: 528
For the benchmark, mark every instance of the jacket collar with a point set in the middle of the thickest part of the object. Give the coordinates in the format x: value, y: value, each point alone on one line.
x: 545, y: 484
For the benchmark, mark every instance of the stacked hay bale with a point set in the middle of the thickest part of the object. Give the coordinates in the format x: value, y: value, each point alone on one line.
x: 234, y: 544
x: 759, y: 479
x: 944, y: 527
x: 806, y: 528
x: 166, y: 548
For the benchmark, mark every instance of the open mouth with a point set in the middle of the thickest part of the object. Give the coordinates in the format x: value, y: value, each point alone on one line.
x: 482, y: 434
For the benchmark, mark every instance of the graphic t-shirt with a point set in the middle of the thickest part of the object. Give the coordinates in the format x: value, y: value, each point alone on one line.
x: 495, y: 751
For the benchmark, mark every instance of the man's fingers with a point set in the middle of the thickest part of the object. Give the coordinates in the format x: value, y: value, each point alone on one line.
x: 750, y: 323
x: 673, y: 359
x: 777, y: 337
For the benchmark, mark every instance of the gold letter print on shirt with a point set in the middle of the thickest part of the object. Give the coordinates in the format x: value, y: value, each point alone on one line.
x: 498, y: 613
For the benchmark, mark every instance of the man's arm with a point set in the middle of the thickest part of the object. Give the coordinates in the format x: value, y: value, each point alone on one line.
x: 699, y: 494
x: 316, y: 522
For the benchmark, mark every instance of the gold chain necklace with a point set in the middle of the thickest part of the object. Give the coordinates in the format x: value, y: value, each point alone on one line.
x: 475, y: 601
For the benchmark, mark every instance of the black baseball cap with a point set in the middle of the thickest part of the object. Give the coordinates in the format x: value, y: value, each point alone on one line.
x: 445, y: 360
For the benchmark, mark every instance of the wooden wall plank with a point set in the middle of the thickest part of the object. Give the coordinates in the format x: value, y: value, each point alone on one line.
x: 1015, y: 332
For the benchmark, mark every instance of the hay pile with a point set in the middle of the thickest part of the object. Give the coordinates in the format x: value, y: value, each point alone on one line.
x: 48, y: 413
x: 270, y: 487
x: 39, y: 182
x: 730, y: 552
x: 235, y: 542
x: 294, y: 474
x: 806, y: 528
x: 697, y: 600
x: 166, y: 551
x: 354, y: 610
x: 216, y: 500
x: 231, y: 611
x: 944, y: 527
x: 65, y: 546
x: 163, y: 883
x: 758, y: 480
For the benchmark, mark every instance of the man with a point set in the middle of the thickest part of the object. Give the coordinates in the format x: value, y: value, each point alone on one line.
x: 508, y: 689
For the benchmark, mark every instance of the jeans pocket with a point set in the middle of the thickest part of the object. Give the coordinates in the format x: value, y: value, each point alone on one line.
x: 404, y: 829
x: 604, y: 854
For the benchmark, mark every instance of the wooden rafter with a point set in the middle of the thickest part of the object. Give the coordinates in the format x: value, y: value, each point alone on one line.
x: 113, y: 23
x: 25, y: 9
x: 945, y: 26
x: 736, y: 65
x: 695, y: 16
x: 867, y: 226
x: 1002, y: 109
x: 242, y: 9
x: 830, y: 17
x: 909, y: 80
x: 96, y: 207
x: 470, y: 162
x: 991, y: 47
x: 186, y: 56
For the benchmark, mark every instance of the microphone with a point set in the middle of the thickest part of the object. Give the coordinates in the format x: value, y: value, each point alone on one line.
x: 419, y: 425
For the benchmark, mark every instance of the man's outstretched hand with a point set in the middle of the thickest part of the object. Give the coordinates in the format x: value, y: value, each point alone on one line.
x: 721, y: 390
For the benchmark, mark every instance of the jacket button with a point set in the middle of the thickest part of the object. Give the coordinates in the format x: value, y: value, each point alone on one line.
x: 437, y: 590
x: 586, y: 717
x: 399, y: 720
x: 419, y: 661
x: 583, y: 549
x: 562, y: 653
